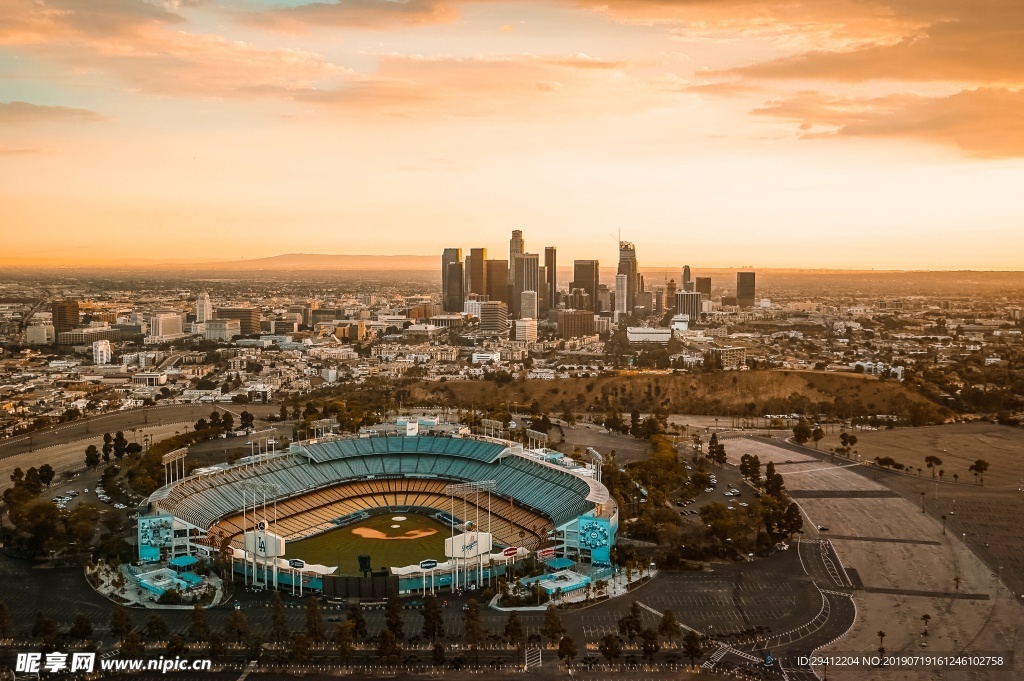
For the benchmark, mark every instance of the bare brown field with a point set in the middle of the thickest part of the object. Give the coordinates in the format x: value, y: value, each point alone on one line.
x: 750, y: 393
x: 958, y: 445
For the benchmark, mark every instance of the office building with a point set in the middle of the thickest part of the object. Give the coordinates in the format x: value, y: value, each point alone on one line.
x: 454, y: 288
x: 101, y: 352
x: 628, y: 268
x: 670, y: 295
x: 88, y: 335
x: 65, y: 316
x: 164, y: 325
x: 644, y: 303
x: 528, y: 305
x: 248, y: 318
x: 578, y: 299
x: 689, y: 304
x: 222, y: 329
x: 604, y: 299
x: 40, y: 334
x: 745, y: 291
x: 702, y: 285
x: 687, y: 283
x: 621, y: 296
x: 550, y: 297
x: 586, y: 275
x: 526, y: 277
x: 729, y: 357
x: 524, y: 330
x: 204, y: 308
x: 575, y: 323
x: 493, y: 317
x: 497, y: 280
x: 476, y: 271
x: 516, y: 246
x: 449, y: 257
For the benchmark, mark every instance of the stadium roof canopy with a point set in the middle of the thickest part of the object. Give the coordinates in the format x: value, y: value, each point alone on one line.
x: 478, y: 450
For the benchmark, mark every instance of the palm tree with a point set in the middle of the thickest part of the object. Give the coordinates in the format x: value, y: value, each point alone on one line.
x: 925, y: 618
x: 881, y: 638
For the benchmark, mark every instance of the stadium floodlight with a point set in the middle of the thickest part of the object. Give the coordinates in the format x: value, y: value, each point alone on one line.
x: 171, y: 467
x: 536, y: 438
x: 463, y: 490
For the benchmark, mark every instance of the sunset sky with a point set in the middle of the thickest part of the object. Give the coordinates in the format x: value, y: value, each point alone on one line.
x: 825, y: 133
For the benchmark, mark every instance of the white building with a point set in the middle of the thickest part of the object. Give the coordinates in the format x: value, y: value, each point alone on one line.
x: 101, y: 353
x: 164, y: 326
x: 646, y: 334
x: 204, y: 308
x: 222, y: 329
x: 525, y: 330
x: 40, y: 334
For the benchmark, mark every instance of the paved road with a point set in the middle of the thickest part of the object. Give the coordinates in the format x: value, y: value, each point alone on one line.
x: 123, y: 421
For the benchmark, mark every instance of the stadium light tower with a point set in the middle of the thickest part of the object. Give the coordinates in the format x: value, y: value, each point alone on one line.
x: 463, y: 489
x: 258, y: 488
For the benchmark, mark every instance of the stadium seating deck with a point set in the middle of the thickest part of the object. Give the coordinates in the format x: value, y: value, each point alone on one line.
x: 337, y: 477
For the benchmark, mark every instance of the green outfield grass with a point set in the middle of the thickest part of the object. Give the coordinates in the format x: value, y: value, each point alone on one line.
x: 385, y: 544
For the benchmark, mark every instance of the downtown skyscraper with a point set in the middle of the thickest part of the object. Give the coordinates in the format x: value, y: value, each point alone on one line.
x: 629, y: 268
x: 452, y: 280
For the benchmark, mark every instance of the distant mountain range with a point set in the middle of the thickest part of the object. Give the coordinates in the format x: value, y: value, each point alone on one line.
x: 315, y: 261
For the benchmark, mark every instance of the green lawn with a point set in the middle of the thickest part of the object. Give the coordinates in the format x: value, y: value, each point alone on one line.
x: 342, y: 546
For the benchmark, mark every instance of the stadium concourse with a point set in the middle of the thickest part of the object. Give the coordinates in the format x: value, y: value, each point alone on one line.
x: 506, y: 499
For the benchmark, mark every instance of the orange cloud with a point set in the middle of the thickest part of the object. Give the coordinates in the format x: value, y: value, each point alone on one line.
x: 17, y: 113
x: 983, y: 122
x: 493, y: 86
x: 367, y: 14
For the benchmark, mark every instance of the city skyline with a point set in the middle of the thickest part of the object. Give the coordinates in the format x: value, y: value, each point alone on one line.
x: 753, y: 132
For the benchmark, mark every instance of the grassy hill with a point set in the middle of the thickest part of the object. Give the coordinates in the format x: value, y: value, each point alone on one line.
x: 746, y: 393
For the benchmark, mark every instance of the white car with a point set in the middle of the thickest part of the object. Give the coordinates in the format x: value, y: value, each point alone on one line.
x: 709, y: 489
x: 744, y: 504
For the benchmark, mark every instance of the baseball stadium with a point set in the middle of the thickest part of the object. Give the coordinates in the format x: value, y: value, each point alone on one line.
x: 424, y: 504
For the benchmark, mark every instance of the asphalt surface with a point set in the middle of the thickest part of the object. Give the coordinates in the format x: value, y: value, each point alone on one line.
x: 123, y: 421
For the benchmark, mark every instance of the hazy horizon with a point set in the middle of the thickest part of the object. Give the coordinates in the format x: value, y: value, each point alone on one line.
x: 886, y: 134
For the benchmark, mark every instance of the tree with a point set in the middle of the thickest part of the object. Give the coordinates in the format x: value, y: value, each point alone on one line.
x: 792, y: 520
x: 227, y: 422
x: 92, y: 457
x: 433, y: 618
x: 881, y: 638
x: 631, y: 624
x: 201, y: 424
x: 355, y: 616
x: 669, y: 626
x: 300, y: 648
x: 388, y: 647
x: 120, y: 445
x: 284, y: 411
x: 649, y: 643
x: 156, y: 627
x: 120, y: 622
x: 279, y: 629
x: 473, y: 628
x: 6, y: 629
x: 393, y: 619
x: 552, y: 628
x: 926, y: 618
x: 46, y: 474
x: 610, y: 647
x: 215, y: 419
x: 801, y: 432
x: 198, y: 628
x: 176, y: 646
x: 978, y: 468
x: 316, y: 630
x: 567, y: 649
x: 45, y: 629
x: 514, y: 631
x: 247, y: 420
x: 345, y: 640
x: 133, y: 646
x: 693, y: 648
x: 932, y: 462
x: 437, y: 655
x: 217, y: 648
x: 237, y: 626
x: 817, y: 435
x: 81, y: 630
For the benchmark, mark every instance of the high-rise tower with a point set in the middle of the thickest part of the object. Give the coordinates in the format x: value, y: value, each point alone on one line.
x: 452, y: 281
x: 628, y: 267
